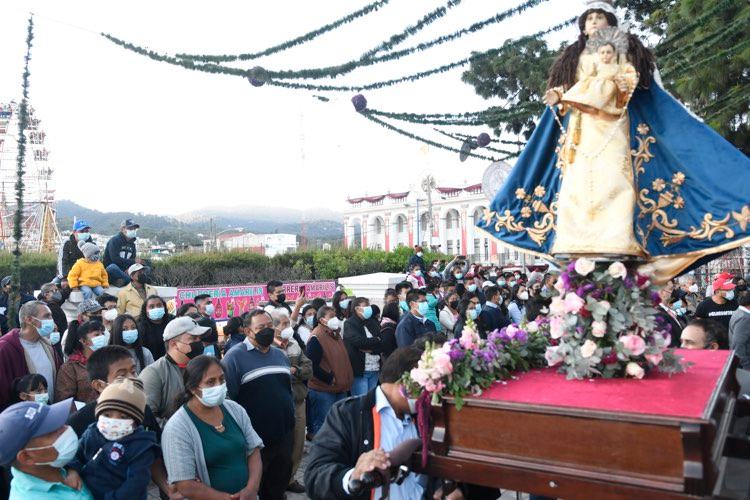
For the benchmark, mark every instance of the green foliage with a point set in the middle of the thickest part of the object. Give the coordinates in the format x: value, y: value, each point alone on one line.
x: 36, y: 269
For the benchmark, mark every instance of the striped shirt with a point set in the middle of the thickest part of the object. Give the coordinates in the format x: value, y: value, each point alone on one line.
x: 262, y: 384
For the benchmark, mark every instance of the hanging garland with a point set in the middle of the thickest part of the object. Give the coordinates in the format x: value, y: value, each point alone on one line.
x: 510, y: 154
x: 699, y: 21
x: 429, y: 142
x: 291, y: 43
x: 470, y: 118
x: 411, y: 30
x: 512, y: 143
x: 23, y: 123
x: 685, y: 70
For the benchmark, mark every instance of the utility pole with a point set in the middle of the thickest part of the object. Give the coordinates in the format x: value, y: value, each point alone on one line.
x: 428, y: 184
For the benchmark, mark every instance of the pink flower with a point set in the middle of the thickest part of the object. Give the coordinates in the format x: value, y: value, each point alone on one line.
x: 588, y: 348
x: 617, y: 270
x: 442, y: 362
x: 654, y: 359
x: 634, y: 344
x: 552, y: 356
x: 556, y: 327
x: 557, y: 307
x: 584, y: 266
x: 598, y: 329
x: 573, y: 303
x: 560, y: 286
x: 468, y: 339
x: 511, y: 331
x: 634, y: 370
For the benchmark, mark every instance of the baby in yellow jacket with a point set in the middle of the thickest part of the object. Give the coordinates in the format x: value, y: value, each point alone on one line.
x: 88, y: 274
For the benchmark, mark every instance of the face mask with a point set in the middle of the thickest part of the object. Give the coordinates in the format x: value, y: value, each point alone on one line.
x: 57, y: 297
x: 309, y: 321
x: 196, y: 349
x: 156, y: 314
x: 213, y: 396
x: 110, y: 314
x: 473, y: 314
x: 693, y: 289
x: 435, y: 274
x: 46, y: 327
x: 677, y: 305
x: 264, y: 338
x: 403, y: 305
x: 42, y: 398
x: 493, y: 275
x: 99, y: 341
x: 453, y: 304
x: 512, y: 283
x: 287, y: 333
x: 54, y: 338
x: 472, y: 288
x: 458, y: 276
x: 210, y: 309
x: 66, y: 446
x: 130, y: 336
x: 131, y: 233
x: 209, y: 351
x: 334, y: 323
x: 281, y: 298
x: 523, y: 295
x: 84, y: 236
x: 420, y: 254
x: 423, y: 307
x: 115, y: 428
x: 729, y: 295
x: 344, y: 303
x: 417, y: 273
x: 94, y: 258
x: 741, y: 288
x: 501, y: 282
x: 367, y: 312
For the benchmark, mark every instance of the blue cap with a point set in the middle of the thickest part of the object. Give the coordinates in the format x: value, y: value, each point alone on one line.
x: 24, y: 421
x: 81, y: 224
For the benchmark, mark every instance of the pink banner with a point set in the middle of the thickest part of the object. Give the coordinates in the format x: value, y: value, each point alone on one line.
x: 234, y: 300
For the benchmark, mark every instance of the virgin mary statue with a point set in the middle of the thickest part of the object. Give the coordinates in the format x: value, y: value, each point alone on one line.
x: 617, y: 168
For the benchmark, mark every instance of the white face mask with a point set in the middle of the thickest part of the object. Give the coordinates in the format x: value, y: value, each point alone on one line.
x: 115, y: 428
x: 66, y: 446
x: 213, y: 396
x: 334, y: 323
x: 287, y: 333
x: 110, y: 314
x: 42, y: 398
x: 523, y: 295
x: 693, y: 288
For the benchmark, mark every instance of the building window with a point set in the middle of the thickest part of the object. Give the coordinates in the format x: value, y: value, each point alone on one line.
x: 449, y: 247
x: 477, y: 246
x: 401, y: 224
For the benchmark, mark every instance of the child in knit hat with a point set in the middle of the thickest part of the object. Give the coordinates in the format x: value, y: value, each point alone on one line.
x: 88, y: 274
x: 115, y: 453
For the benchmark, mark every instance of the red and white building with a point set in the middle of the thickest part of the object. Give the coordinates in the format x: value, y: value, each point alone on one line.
x: 392, y: 220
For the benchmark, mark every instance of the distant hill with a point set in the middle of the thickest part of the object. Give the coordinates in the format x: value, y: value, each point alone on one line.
x: 321, y: 224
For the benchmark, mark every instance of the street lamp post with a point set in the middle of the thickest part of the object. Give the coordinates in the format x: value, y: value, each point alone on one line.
x: 216, y: 236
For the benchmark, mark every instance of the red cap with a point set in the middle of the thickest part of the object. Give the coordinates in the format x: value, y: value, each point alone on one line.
x: 723, y: 282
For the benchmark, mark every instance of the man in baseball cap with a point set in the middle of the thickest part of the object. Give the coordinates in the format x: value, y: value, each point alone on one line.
x: 130, y: 299
x: 71, y: 252
x: 37, y: 444
x: 719, y: 306
x: 163, y: 379
x: 120, y: 253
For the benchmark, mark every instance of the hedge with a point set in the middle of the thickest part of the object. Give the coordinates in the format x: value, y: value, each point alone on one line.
x: 235, y: 268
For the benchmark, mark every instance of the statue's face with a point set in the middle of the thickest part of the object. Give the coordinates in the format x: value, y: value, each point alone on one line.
x: 594, y: 22
x: 606, y: 54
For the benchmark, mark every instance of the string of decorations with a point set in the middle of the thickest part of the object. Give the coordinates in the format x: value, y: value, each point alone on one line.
x: 428, y: 19
x: 480, y: 139
x: 291, y: 43
x: 685, y: 70
x: 738, y: 95
x: 698, y: 21
x: 23, y: 123
x: 469, y: 118
x: 349, y: 66
x: 513, y: 143
x: 415, y: 137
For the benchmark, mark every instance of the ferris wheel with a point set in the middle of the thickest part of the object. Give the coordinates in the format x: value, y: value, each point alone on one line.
x: 40, y: 233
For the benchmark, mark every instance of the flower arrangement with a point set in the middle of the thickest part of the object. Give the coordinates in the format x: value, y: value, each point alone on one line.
x: 604, y: 323
x: 469, y: 364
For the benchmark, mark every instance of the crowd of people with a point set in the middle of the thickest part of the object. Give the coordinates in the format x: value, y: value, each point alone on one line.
x: 130, y: 393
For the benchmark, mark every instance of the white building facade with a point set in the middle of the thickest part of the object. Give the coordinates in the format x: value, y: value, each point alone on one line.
x: 393, y: 220
x: 265, y: 244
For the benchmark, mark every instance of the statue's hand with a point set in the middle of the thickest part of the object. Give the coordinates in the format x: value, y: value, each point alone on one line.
x: 551, y: 97
x: 622, y: 83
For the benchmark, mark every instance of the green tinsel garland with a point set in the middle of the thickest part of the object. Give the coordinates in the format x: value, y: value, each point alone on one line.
x: 429, y: 142
x: 470, y: 118
x: 686, y: 70
x: 291, y: 43
x: 510, y: 154
x: 698, y: 21
x: 512, y: 143
x: 23, y: 123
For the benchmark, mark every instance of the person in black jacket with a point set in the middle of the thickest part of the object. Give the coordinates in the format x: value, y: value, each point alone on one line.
x: 468, y: 308
x: 153, y: 320
x: 120, y: 253
x: 390, y: 317
x: 416, y: 260
x: 494, y: 314
x: 343, y: 448
x: 70, y: 251
x: 363, y: 344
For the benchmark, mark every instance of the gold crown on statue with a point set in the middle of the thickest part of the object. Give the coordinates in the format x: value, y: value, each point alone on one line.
x: 609, y: 36
x: 605, y: 5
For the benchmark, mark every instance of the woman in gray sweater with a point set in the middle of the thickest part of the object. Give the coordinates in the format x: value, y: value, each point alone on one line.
x: 210, y: 448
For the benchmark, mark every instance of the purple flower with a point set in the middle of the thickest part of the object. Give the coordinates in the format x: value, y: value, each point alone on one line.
x: 565, y: 278
x: 483, y: 139
x: 360, y: 103
x: 655, y: 299
x: 628, y: 282
x: 572, y: 266
x: 585, y: 289
x: 597, y: 294
x: 522, y: 336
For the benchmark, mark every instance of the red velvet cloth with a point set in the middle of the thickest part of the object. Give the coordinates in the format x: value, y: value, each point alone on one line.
x: 682, y: 395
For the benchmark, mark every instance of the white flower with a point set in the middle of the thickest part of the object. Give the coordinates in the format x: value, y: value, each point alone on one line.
x: 560, y: 286
x: 557, y: 306
x: 552, y: 356
x: 588, y: 348
x: 598, y: 329
x: 617, y: 270
x: 532, y: 327
x: 634, y: 370
x: 584, y: 266
x: 606, y: 305
x: 556, y: 327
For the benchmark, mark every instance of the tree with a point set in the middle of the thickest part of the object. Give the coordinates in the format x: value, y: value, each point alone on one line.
x: 703, y: 54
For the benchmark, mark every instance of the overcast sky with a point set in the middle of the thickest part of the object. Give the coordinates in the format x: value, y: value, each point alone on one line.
x: 129, y: 133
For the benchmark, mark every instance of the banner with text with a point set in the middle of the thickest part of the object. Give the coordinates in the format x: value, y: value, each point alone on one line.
x: 232, y: 301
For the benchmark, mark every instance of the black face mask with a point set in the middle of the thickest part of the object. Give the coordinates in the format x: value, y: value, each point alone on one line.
x: 144, y: 279
x: 264, y: 338
x: 741, y: 288
x: 453, y: 304
x: 281, y: 298
x: 210, y: 336
x: 196, y: 349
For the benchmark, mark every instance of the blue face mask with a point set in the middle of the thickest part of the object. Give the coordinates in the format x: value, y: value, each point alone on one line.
x: 472, y: 288
x: 210, y: 309
x: 46, y: 327
x: 417, y: 273
x: 130, y: 336
x: 473, y: 314
x: 131, y: 233
x: 156, y: 314
x: 677, y: 305
x: 209, y: 351
x: 344, y: 303
x: 99, y: 342
x: 423, y: 308
x: 54, y: 338
x: 501, y: 282
x: 309, y: 321
x: 512, y: 283
x: 729, y: 295
x: 458, y: 276
x: 403, y: 305
x: 367, y: 312
x: 84, y: 236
